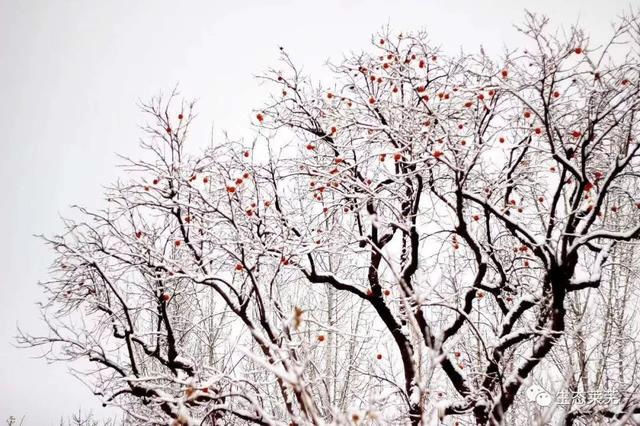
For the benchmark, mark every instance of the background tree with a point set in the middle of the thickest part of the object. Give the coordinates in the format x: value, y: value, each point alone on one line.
x: 412, y: 243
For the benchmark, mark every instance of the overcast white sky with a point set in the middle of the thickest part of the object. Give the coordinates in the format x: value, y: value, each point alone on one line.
x: 72, y: 72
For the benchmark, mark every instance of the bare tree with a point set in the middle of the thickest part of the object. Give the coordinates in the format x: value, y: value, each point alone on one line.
x: 414, y: 243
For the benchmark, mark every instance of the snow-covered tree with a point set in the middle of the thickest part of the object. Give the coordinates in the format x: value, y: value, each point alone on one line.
x: 416, y: 242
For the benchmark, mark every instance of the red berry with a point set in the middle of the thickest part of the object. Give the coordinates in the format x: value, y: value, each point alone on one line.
x: 457, y: 354
x: 180, y: 116
x: 387, y: 292
x: 578, y: 50
x: 476, y: 217
x: 231, y: 189
x: 321, y: 338
x: 311, y: 147
x: 437, y: 154
x: 177, y: 243
x: 556, y: 94
x: 205, y: 179
x: 239, y: 267
x: 576, y: 134
x: 156, y: 181
x: 422, y: 63
x: 372, y: 100
x: 527, y: 114
x: 379, y: 356
x: 260, y: 117
x: 504, y: 73
x: 538, y: 130
x: 468, y: 104
x: 246, y: 154
x: 138, y: 234
x: 166, y: 297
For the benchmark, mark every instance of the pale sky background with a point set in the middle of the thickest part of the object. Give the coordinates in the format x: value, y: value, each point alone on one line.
x: 72, y: 73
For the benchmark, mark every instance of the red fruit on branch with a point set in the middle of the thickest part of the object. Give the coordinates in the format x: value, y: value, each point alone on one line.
x: 537, y: 130
x: 501, y: 140
x: 387, y: 292
x: 138, y: 234
x: 178, y: 243
x: 260, y: 117
x: 576, y: 134
x: 372, y: 100
x: 321, y: 338
x: 205, y: 179
x: 504, y: 73
x: 246, y: 154
x: 231, y: 189
x: 437, y: 154
x: 165, y: 297
x: 578, y: 50
x: 527, y: 114
x: 379, y: 356
x: 476, y: 217
x: 156, y: 181
x: 239, y: 267
x: 468, y: 104
x: 588, y: 187
x: 556, y: 94
x: 180, y: 116
x: 457, y: 354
